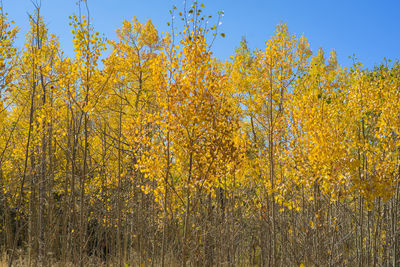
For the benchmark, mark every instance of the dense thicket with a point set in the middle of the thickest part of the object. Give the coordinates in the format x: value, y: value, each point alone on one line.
x: 147, y: 150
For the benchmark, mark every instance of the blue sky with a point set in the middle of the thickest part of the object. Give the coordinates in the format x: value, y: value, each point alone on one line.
x: 369, y: 29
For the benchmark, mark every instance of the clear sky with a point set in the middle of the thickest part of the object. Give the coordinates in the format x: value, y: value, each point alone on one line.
x: 369, y: 29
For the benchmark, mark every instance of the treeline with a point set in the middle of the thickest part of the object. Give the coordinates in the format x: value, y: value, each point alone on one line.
x: 149, y: 151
